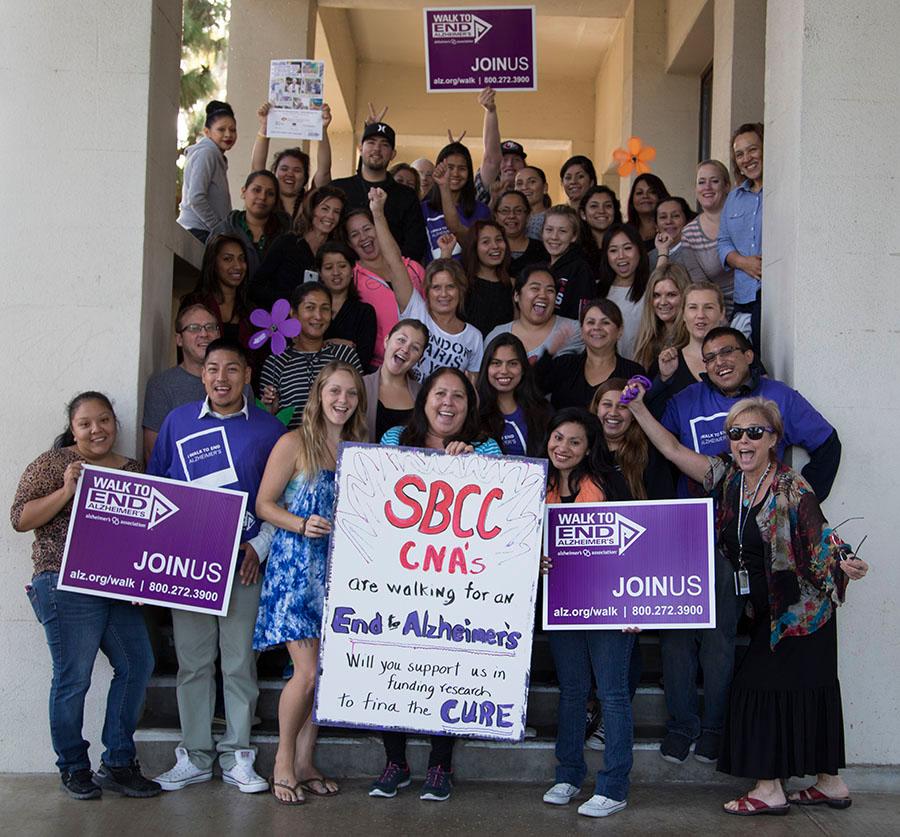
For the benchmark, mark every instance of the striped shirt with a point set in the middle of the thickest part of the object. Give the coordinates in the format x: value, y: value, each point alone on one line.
x: 294, y: 372
x: 700, y: 257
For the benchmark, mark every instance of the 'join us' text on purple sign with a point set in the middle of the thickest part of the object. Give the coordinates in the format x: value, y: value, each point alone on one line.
x: 643, y: 564
x: 152, y: 540
x: 469, y: 49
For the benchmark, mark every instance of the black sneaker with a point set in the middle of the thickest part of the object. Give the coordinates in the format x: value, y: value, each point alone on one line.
x: 675, y: 747
x: 79, y: 784
x: 593, y: 719
x: 126, y: 780
x: 392, y: 778
x: 707, y: 747
x: 438, y: 784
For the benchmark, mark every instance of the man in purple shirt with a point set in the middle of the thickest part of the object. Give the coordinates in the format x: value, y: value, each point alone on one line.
x: 223, y: 441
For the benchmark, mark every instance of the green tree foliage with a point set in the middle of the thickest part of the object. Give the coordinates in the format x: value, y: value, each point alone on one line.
x: 203, y: 44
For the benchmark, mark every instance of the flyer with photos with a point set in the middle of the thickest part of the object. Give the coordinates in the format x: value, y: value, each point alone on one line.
x: 295, y: 93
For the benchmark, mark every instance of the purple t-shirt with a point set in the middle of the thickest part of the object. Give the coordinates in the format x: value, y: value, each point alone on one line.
x: 514, y: 440
x: 436, y: 226
x: 696, y: 416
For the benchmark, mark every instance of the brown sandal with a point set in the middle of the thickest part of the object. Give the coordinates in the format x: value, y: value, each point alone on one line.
x: 309, y: 786
x: 297, y: 800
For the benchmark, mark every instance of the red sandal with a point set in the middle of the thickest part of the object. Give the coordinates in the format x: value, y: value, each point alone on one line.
x: 750, y: 807
x: 813, y: 796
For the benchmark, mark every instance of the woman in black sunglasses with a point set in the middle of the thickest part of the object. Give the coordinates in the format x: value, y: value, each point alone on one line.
x: 790, y: 572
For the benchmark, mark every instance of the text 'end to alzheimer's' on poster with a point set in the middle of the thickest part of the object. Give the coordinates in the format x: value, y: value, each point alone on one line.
x: 432, y: 577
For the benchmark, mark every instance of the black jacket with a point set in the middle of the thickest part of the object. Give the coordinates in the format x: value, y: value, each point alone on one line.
x: 402, y: 210
x: 575, y: 282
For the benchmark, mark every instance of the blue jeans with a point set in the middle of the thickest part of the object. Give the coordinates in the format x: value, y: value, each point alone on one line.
x: 609, y: 654
x: 713, y: 649
x: 77, y: 626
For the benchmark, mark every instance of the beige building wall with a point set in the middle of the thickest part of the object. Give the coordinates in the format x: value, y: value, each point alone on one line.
x: 609, y: 101
x: 738, y: 70
x: 686, y: 42
x: 661, y: 107
x: 335, y: 46
x: 92, y: 236
x: 260, y: 31
x: 553, y: 123
x: 830, y: 312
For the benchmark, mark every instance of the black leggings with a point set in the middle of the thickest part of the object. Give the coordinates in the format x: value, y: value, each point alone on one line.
x: 441, y: 749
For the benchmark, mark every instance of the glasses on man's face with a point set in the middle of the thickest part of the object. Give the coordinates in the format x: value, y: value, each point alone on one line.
x: 725, y: 351
x: 754, y: 432
x: 196, y: 328
x: 512, y: 211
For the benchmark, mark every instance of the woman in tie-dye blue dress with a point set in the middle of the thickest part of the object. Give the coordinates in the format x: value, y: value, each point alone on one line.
x: 296, y: 495
x: 293, y: 590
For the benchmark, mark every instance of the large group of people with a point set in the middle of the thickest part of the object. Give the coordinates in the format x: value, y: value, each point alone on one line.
x: 454, y: 308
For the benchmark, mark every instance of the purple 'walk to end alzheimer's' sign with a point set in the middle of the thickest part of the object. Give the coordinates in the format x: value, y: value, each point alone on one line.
x: 152, y: 540
x: 468, y: 49
x: 645, y: 564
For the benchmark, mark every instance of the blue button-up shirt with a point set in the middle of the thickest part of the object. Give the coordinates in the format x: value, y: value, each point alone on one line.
x: 740, y: 229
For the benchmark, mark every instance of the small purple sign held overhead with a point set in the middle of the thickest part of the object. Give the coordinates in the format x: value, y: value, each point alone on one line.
x: 469, y: 49
x: 643, y: 564
x: 152, y: 540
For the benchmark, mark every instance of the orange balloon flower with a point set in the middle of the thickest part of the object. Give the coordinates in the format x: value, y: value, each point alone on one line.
x: 634, y: 158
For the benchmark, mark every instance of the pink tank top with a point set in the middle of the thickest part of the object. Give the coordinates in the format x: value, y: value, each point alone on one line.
x: 379, y: 294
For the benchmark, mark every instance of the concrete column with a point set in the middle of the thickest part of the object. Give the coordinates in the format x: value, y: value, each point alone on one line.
x: 830, y: 314
x: 609, y: 98
x: 89, y: 227
x: 660, y: 107
x: 739, y: 62
x: 344, y: 153
x: 260, y: 31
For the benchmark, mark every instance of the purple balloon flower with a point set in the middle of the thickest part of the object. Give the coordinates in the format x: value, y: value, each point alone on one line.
x: 279, y: 325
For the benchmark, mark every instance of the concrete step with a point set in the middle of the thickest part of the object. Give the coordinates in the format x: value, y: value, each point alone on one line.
x: 161, y: 708
x: 360, y: 754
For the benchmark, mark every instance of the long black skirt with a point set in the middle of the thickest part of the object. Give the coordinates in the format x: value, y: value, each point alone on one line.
x: 784, y: 716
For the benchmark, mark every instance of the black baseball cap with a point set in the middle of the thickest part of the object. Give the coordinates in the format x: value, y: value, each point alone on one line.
x: 512, y: 147
x: 380, y: 129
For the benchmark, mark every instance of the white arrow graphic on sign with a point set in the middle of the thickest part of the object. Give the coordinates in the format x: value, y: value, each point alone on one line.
x: 161, y: 508
x: 629, y: 532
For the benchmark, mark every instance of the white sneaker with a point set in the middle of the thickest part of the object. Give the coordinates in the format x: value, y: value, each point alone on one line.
x: 600, y: 806
x: 561, y: 793
x: 184, y: 773
x: 243, y: 776
x: 597, y: 739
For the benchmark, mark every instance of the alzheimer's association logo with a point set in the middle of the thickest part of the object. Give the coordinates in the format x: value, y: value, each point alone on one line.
x: 125, y: 498
x: 599, y: 528
x: 458, y: 28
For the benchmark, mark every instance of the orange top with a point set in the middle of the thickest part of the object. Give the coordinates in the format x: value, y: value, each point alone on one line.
x: 588, y: 492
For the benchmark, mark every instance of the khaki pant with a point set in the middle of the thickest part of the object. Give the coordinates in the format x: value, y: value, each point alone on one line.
x: 198, y: 636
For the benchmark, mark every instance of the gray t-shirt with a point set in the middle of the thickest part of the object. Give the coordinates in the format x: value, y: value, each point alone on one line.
x: 167, y: 390
x: 631, y: 318
x: 171, y: 388
x: 566, y: 334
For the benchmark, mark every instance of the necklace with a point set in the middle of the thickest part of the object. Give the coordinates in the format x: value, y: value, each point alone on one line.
x: 745, y: 494
x: 746, y: 505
